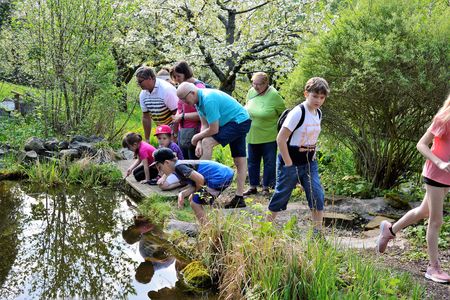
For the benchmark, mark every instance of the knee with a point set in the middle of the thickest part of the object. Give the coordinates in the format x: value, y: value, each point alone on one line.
x: 422, y: 213
x: 435, y: 223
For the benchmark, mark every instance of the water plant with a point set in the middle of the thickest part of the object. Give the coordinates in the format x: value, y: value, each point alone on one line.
x: 254, y: 259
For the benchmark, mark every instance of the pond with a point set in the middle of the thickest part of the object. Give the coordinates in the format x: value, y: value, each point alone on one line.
x: 82, y: 243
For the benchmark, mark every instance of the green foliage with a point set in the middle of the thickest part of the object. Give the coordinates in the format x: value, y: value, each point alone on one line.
x: 83, y: 172
x: 255, y: 259
x: 387, y: 65
x: 159, y: 209
x: 223, y: 155
x: 15, y: 131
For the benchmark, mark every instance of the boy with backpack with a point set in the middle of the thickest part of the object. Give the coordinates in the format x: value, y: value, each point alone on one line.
x: 296, y: 141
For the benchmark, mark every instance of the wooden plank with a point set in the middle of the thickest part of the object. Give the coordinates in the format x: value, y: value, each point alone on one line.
x: 144, y: 190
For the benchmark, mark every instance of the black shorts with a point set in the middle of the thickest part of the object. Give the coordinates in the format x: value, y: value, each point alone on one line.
x: 434, y: 183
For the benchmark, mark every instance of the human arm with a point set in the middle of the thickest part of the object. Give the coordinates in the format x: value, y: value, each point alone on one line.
x: 211, y: 130
x: 147, y: 124
x: 189, y: 190
x: 424, y: 149
x: 282, y: 137
x: 133, y: 166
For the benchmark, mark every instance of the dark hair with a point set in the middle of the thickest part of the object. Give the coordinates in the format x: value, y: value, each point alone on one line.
x: 317, y: 85
x: 145, y: 73
x: 182, y: 67
x: 131, y: 138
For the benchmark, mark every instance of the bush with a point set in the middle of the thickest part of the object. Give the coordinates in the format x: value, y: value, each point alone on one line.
x: 387, y: 64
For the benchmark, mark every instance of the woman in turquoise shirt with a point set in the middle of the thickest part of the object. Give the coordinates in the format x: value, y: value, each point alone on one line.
x: 264, y: 106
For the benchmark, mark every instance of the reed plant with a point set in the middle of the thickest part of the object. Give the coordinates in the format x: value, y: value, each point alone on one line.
x: 250, y: 258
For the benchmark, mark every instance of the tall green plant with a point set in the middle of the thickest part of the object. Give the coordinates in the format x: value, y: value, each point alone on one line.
x: 387, y: 64
x: 67, y: 47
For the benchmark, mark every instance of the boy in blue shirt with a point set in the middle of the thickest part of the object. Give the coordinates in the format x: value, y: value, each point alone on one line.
x: 205, y: 179
x: 297, y: 145
x: 224, y: 121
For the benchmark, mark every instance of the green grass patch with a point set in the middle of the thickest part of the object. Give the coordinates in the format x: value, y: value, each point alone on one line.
x: 83, y: 172
x: 6, y: 89
x: 159, y: 209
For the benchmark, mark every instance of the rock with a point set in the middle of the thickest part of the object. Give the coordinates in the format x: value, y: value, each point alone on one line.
x: 63, y: 145
x: 190, y: 229
x: 340, y: 219
x: 397, y: 201
x: 34, y: 144
x: 375, y: 222
x: 86, y: 148
x: 31, y: 156
x: 51, y: 154
x: 125, y: 153
x: 80, y: 139
x: 51, y: 144
x: 3, y: 152
x: 95, y: 139
x: 7, y: 105
x: 71, y: 154
x: 338, y: 216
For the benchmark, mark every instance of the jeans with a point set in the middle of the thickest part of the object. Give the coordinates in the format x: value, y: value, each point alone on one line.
x: 189, y: 153
x: 268, y: 153
x: 307, y: 175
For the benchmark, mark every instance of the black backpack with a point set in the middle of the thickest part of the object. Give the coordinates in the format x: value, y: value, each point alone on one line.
x: 300, y: 123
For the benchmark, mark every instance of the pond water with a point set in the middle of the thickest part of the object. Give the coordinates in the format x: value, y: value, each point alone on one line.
x: 77, y: 243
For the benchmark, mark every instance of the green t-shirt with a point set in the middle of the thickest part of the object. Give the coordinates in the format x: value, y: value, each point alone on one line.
x: 264, y: 111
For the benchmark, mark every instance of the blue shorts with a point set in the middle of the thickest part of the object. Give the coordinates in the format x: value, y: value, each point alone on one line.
x: 287, y: 178
x: 234, y: 134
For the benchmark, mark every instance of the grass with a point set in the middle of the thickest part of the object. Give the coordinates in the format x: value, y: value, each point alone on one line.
x: 159, y: 209
x: 6, y: 89
x: 83, y: 172
x: 253, y: 259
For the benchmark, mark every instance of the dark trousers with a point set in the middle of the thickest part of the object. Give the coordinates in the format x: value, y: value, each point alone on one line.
x: 268, y: 153
x: 139, y: 173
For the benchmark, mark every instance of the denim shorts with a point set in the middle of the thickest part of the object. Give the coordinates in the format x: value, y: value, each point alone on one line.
x: 234, y: 134
x: 288, y: 177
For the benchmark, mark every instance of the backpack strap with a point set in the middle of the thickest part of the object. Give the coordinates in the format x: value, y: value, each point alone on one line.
x: 300, y: 123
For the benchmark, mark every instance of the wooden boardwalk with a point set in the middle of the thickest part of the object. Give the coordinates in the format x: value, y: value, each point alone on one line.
x: 138, y: 189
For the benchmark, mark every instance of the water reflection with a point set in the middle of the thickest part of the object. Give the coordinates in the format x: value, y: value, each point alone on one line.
x: 65, y: 244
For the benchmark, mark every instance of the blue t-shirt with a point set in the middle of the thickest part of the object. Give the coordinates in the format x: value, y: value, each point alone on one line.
x: 215, y: 105
x: 216, y: 175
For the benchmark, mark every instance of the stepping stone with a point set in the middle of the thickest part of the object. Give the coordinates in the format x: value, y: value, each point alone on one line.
x: 375, y: 222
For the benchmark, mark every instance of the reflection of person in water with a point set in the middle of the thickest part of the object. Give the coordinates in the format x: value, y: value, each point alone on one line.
x: 157, y: 258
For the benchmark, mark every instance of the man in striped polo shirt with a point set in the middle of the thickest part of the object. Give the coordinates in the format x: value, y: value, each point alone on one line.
x: 158, y: 100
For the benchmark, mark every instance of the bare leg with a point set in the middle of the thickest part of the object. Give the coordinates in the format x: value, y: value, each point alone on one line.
x: 436, y: 197
x: 199, y: 212
x: 317, y: 218
x: 413, y: 216
x: 208, y: 144
x: 271, y: 217
x: 241, y: 166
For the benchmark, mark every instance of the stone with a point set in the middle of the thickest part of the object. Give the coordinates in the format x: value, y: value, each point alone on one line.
x: 375, y: 222
x: 63, y: 145
x: 30, y: 155
x: 51, y: 144
x: 69, y: 153
x: 190, y: 229
x: 34, y: 144
x: 86, y: 148
x: 125, y: 153
x: 95, y: 139
x: 396, y: 201
x: 80, y: 139
x: 338, y: 216
x: 51, y: 154
x: 3, y: 152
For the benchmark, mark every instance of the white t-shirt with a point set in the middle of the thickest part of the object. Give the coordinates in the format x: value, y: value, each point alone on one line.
x: 160, y: 102
x: 308, y: 133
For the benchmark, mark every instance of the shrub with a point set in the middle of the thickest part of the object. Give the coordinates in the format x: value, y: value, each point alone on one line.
x: 387, y: 65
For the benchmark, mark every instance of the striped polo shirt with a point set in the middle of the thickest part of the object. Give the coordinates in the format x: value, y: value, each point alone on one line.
x: 160, y: 102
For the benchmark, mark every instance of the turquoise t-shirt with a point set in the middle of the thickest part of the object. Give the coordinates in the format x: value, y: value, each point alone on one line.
x: 215, y: 105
